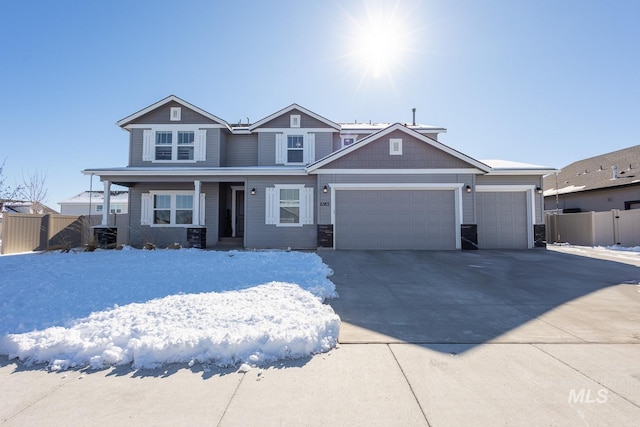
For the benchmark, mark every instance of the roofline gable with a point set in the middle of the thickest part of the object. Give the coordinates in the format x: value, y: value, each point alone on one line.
x: 290, y: 108
x: 171, y: 98
x: 396, y: 126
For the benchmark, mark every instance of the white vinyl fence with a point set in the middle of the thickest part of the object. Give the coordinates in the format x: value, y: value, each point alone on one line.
x: 616, y: 227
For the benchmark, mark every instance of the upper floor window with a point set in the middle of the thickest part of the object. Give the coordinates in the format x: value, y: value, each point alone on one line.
x: 295, y: 149
x: 185, y: 145
x: 174, y: 145
x: 348, y: 140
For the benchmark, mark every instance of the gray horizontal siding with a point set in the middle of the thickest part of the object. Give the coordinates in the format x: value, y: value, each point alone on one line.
x: 266, y: 149
x: 261, y: 235
x: 324, y: 144
x: 415, y: 154
x: 164, y: 236
x: 242, y: 150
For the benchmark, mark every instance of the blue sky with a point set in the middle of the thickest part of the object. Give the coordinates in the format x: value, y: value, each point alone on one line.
x: 537, y: 81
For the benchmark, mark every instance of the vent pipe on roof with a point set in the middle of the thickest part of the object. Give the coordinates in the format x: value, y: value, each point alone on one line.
x: 413, y: 110
x: 614, y: 170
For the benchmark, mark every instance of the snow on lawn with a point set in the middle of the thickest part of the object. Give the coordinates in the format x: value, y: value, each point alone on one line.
x: 163, y: 306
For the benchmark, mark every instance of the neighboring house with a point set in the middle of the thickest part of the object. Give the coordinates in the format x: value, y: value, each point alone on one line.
x: 601, y: 183
x: 92, y: 203
x: 21, y: 206
x: 296, y: 179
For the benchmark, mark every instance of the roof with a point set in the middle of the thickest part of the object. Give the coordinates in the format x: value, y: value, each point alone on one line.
x: 398, y: 126
x: 614, y: 169
x: 508, y: 167
x: 374, y: 127
x: 171, y: 98
x: 87, y: 197
x: 20, y: 206
x: 291, y: 108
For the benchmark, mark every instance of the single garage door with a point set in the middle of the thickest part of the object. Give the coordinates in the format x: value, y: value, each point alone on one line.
x: 395, y: 219
x: 502, y: 220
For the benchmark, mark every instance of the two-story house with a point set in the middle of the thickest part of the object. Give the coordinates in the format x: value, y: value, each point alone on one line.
x: 297, y: 179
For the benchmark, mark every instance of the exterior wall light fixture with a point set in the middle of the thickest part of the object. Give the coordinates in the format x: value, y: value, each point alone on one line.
x: 325, y: 189
x: 253, y: 191
x: 468, y: 188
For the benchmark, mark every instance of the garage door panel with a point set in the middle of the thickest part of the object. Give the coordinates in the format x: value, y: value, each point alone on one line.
x: 395, y: 219
x: 502, y: 220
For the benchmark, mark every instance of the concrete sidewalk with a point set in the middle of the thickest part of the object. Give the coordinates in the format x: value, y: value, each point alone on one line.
x: 535, y: 338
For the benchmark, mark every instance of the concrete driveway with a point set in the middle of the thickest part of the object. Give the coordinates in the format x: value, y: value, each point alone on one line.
x: 538, y: 337
x: 475, y: 297
x: 427, y: 339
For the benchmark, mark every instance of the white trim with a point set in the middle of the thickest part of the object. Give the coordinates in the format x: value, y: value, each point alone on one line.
x: 531, y: 203
x: 305, y: 205
x: 292, y: 107
x: 285, y: 130
x: 107, y: 202
x: 195, y: 216
x: 175, y: 114
x: 378, y: 135
x: 173, y: 126
x: 172, y: 208
x: 455, y: 187
x: 395, y: 146
x: 199, y: 172
x: 166, y: 100
x: 396, y: 171
x: 295, y: 120
x: 234, y: 208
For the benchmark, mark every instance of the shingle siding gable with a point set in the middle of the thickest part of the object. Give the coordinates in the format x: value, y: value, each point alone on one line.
x: 416, y: 154
x: 161, y: 115
x: 284, y: 121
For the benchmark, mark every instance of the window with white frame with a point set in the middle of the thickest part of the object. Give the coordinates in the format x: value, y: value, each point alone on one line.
x: 294, y: 121
x: 186, y: 145
x: 112, y: 208
x: 348, y: 140
x: 176, y: 114
x: 295, y: 149
x: 174, y: 145
x: 171, y: 208
x: 395, y: 146
x: 289, y: 205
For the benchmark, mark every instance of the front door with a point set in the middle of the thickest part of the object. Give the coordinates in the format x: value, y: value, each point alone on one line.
x: 239, y: 218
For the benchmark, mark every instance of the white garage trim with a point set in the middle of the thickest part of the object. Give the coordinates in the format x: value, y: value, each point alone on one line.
x: 531, y: 202
x: 455, y: 187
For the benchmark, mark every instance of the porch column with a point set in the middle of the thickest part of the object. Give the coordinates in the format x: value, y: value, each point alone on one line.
x: 196, y: 203
x: 106, y: 207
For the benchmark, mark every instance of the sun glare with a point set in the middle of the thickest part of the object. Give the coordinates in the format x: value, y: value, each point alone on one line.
x: 380, y: 40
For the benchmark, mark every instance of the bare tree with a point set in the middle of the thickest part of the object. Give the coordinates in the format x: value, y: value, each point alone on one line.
x: 6, y: 192
x: 34, y: 190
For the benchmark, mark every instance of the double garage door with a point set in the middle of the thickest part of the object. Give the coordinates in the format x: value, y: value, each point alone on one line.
x: 395, y: 219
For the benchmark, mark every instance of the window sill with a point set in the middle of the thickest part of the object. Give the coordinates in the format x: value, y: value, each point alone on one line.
x: 173, y: 161
x: 289, y: 225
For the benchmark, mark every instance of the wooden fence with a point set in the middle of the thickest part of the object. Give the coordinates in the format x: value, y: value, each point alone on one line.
x: 39, y: 232
x: 616, y: 227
